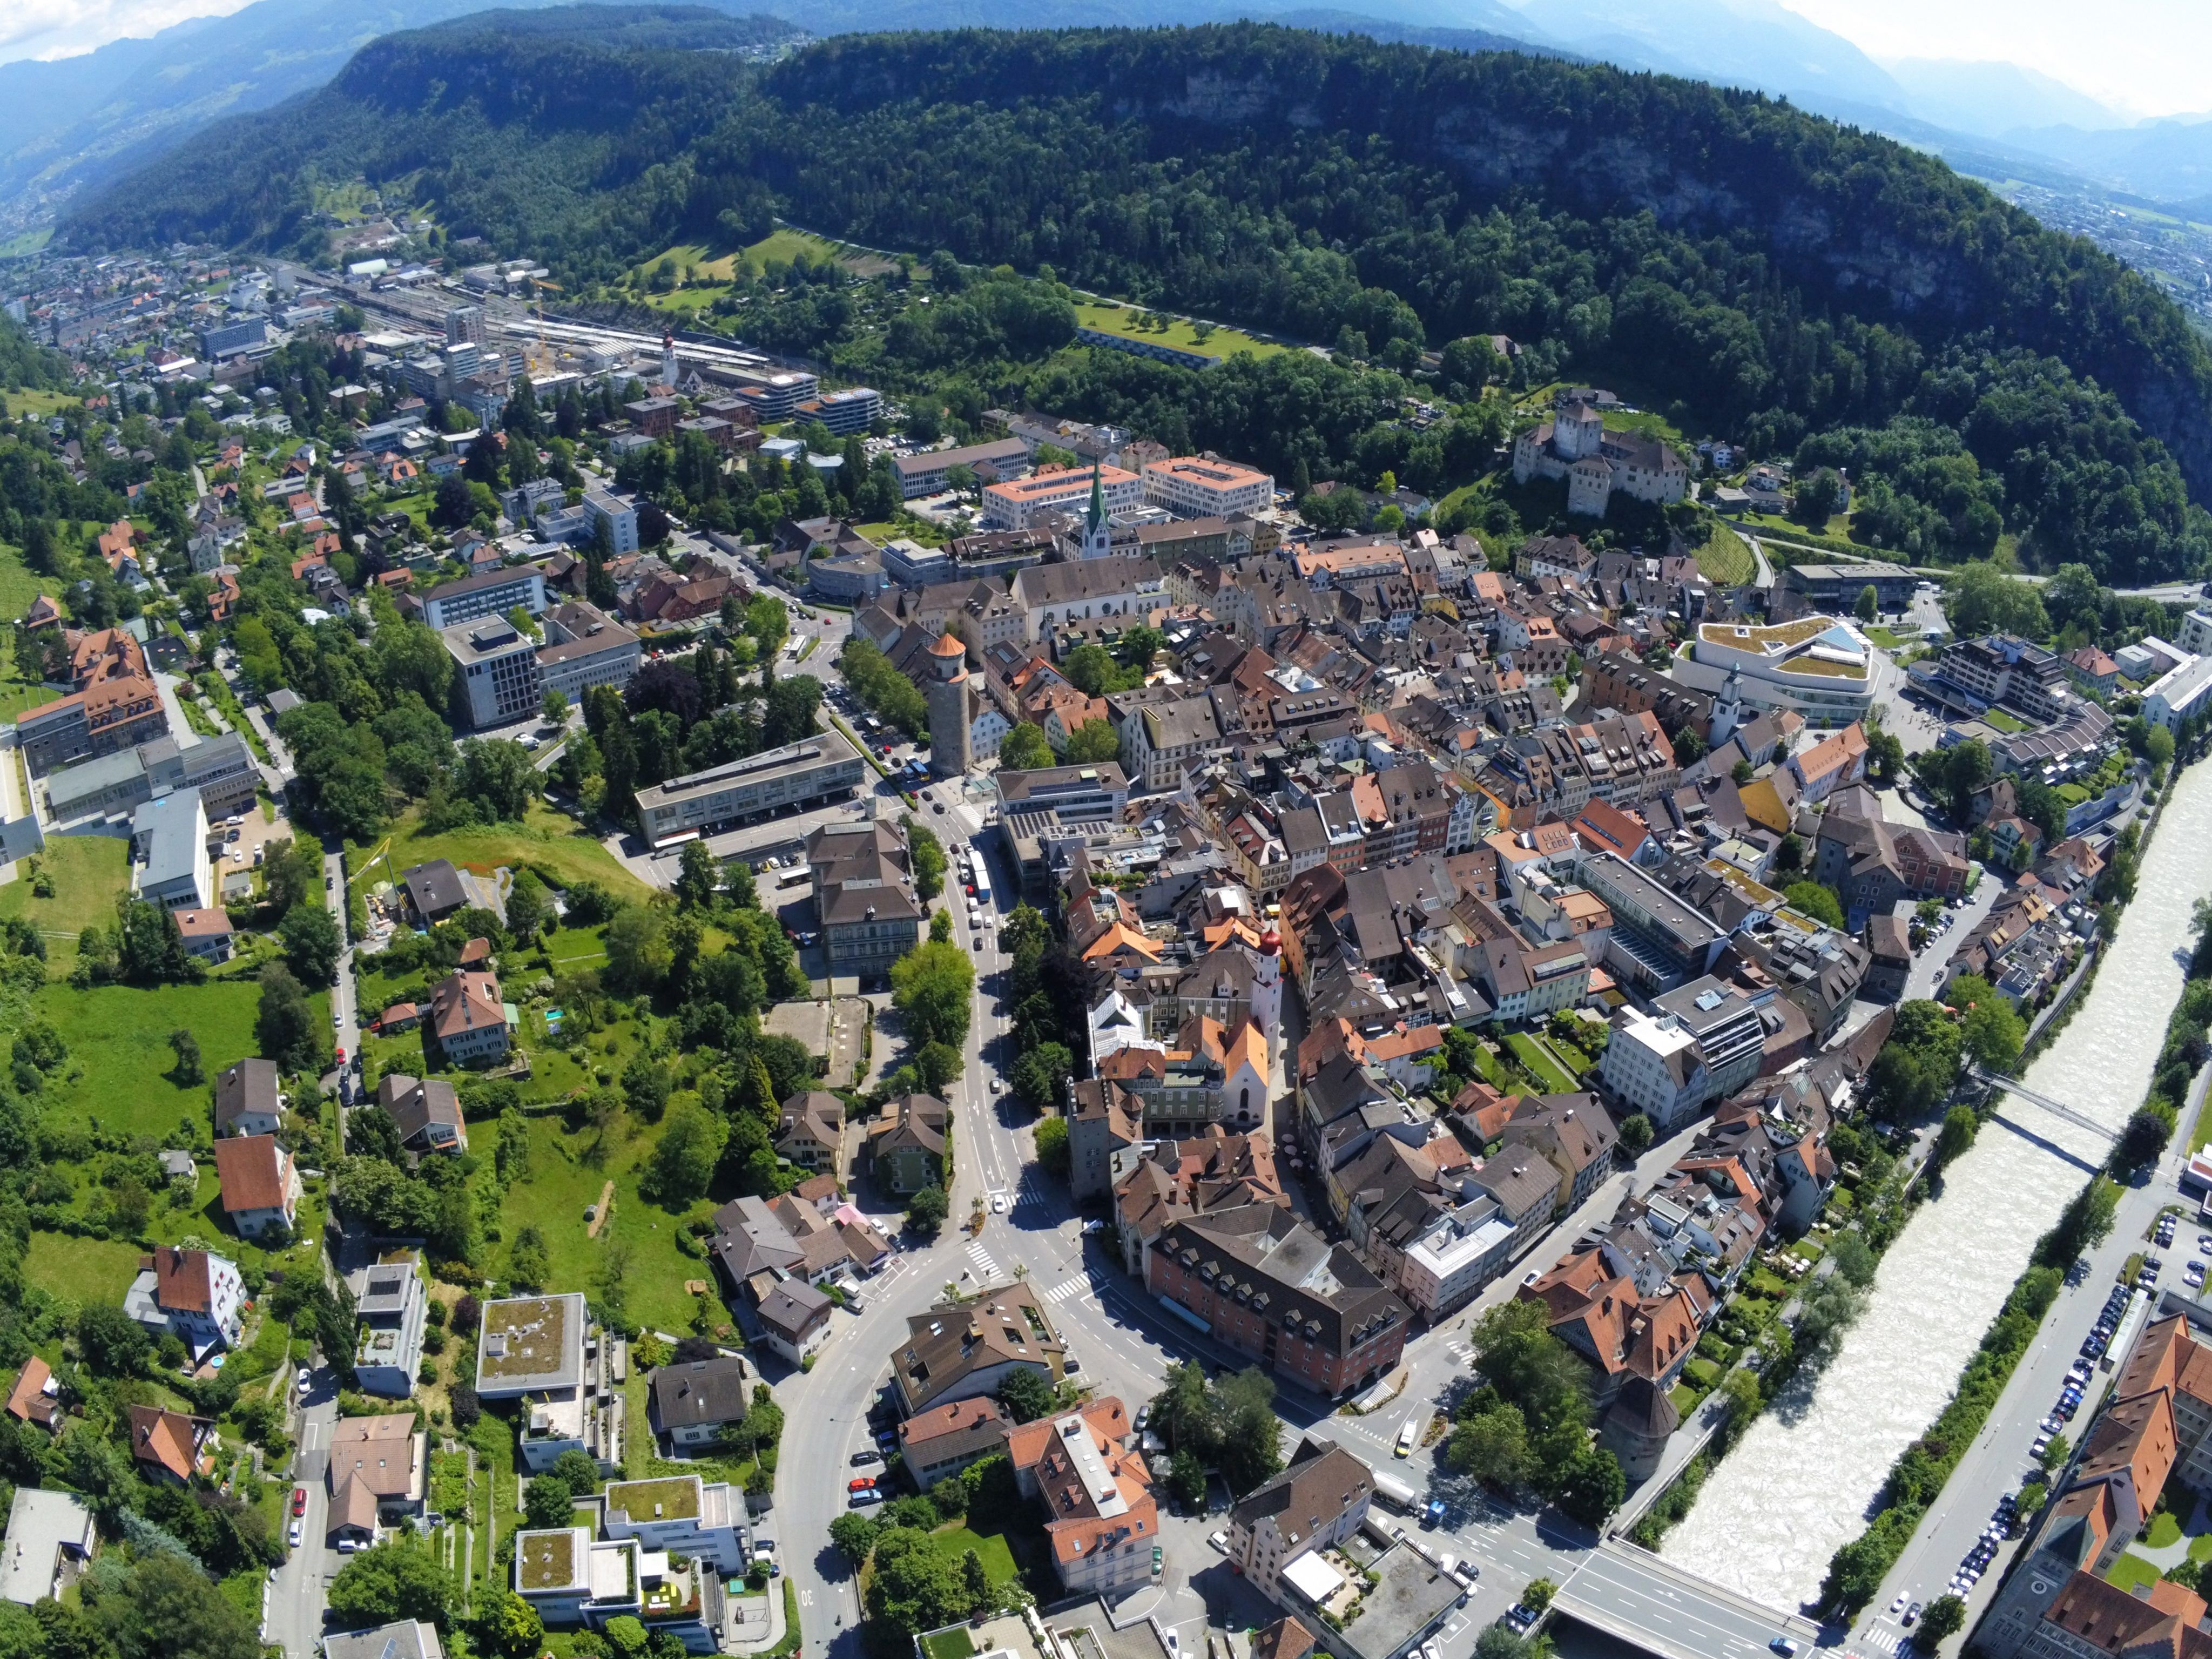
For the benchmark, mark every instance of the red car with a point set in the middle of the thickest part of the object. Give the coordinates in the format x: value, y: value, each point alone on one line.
x: 298, y: 1500
x: 866, y: 1483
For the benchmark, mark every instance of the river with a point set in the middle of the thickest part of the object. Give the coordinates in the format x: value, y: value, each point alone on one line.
x: 1799, y: 1485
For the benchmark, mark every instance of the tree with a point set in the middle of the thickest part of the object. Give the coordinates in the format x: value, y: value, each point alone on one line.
x: 112, y: 1342
x: 1539, y: 1593
x: 691, y: 1142
x: 170, y: 1608
x: 1988, y: 601
x: 371, y: 1131
x: 1636, y: 1134
x: 500, y: 777
x: 975, y: 1578
x: 1093, y: 741
x: 549, y: 1502
x: 1026, y: 1394
x: 392, y: 1582
x: 638, y: 956
x: 1186, y: 1480
x: 1492, y: 1446
x: 294, y: 873
x: 928, y: 856
x: 913, y: 1586
x: 1960, y: 1125
x: 1024, y: 749
x: 1812, y: 899
x: 553, y: 708
x: 1945, y: 1617
x: 927, y: 1210
x: 528, y: 1263
x: 309, y: 936
x: 698, y: 874
x: 1037, y: 1076
x: 1592, y: 1486
x: 507, y: 1624
x: 1917, y: 1065
x: 529, y: 907
x: 1991, y: 1030
x: 934, y: 986
x: 284, y: 1026
x: 188, y: 1070
x: 1052, y: 1154
x: 854, y: 1536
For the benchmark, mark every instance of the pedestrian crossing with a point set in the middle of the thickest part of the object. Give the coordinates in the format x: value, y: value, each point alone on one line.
x: 1882, y: 1641
x: 986, y: 1269
x: 1072, y: 1288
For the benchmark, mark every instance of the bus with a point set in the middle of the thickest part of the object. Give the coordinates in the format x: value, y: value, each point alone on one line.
x: 982, y: 883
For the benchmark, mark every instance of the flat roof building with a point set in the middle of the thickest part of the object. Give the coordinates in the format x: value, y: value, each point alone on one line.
x: 823, y: 768
x: 495, y: 593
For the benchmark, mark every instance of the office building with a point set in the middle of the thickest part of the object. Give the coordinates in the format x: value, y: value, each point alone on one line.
x: 822, y: 768
x: 169, y: 861
x: 492, y: 593
x: 497, y: 665
x: 1207, y: 487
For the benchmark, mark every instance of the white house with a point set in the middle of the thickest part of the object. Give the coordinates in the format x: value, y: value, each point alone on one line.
x: 194, y: 1294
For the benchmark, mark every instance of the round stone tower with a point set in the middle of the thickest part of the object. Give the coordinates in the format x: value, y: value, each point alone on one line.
x: 951, y: 714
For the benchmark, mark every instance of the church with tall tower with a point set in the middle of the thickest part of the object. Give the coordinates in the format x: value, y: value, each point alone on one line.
x: 1097, y: 529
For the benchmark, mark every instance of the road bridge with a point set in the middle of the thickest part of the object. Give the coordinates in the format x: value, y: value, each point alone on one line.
x: 1657, y: 1608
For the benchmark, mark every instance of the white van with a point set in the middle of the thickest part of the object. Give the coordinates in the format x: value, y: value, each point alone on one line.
x: 1409, y: 1435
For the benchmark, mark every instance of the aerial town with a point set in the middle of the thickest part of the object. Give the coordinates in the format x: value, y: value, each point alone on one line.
x: 655, y: 1006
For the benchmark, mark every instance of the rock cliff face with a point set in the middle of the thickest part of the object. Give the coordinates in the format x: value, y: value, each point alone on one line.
x: 1856, y: 222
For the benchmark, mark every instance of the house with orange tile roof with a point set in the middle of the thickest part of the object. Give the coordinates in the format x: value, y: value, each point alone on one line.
x: 1101, y: 1518
x: 169, y: 1447
x: 1832, y: 763
x: 260, y: 1184
x: 36, y: 1397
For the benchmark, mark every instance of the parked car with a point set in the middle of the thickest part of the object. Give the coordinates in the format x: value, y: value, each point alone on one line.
x: 860, y: 1500
x: 298, y: 1500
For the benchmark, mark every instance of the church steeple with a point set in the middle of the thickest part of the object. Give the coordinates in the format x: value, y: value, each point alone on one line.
x: 1097, y: 532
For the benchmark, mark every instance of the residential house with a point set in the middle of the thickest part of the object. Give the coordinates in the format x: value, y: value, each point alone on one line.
x: 679, y: 1515
x: 794, y: 1319
x: 689, y: 1403
x: 811, y: 1130
x: 393, y: 1310
x: 1314, y: 1504
x: 51, y: 1538
x: 940, y: 1442
x: 379, y: 1473
x: 246, y: 1101
x: 260, y: 1185
x: 169, y: 1447
x: 427, y: 1113
x: 906, y: 1144
x: 194, y: 1295
x: 470, y: 1020
x: 1102, y: 1524
x: 961, y: 1350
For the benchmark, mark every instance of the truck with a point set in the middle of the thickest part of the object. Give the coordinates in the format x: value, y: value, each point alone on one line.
x: 1434, y: 1514
x: 1389, y: 1490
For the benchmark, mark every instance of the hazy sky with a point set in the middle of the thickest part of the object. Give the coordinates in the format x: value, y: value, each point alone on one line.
x: 62, y: 28
x: 2141, y: 57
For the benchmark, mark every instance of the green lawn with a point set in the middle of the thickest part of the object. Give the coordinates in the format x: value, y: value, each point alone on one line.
x: 551, y: 840
x: 118, y: 1059
x: 26, y: 400
x: 2003, y: 721
x: 948, y: 1644
x: 1531, y: 1055
x: 88, y: 1271
x: 953, y: 1542
x: 1725, y: 559
x: 2130, y: 1571
x: 567, y: 1171
x: 2165, y: 1528
x: 88, y: 872
x: 1110, y: 316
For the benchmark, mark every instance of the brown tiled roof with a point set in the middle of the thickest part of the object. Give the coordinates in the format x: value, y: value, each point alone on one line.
x: 162, y: 1437
x: 182, y: 1278
x: 465, y: 1002
x: 252, y: 1169
x: 28, y: 1400
x: 377, y: 1452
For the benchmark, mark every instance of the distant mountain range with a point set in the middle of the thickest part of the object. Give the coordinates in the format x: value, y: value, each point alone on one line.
x: 74, y: 122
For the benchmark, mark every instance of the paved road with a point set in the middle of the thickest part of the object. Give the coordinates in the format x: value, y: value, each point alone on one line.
x: 295, y: 1600
x: 1627, y: 1592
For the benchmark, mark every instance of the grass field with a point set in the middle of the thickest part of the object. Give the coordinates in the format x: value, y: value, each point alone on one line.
x: 1110, y: 316
x: 119, y: 1048
x: 953, y: 1542
x: 1725, y: 559
x: 2130, y: 1571
x: 719, y: 264
x: 89, y: 1271
x: 550, y: 840
x: 1540, y: 1065
x: 89, y: 871
x: 31, y: 400
x: 567, y: 1171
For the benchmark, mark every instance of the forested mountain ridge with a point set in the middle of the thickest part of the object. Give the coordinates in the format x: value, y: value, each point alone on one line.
x: 1772, y: 276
